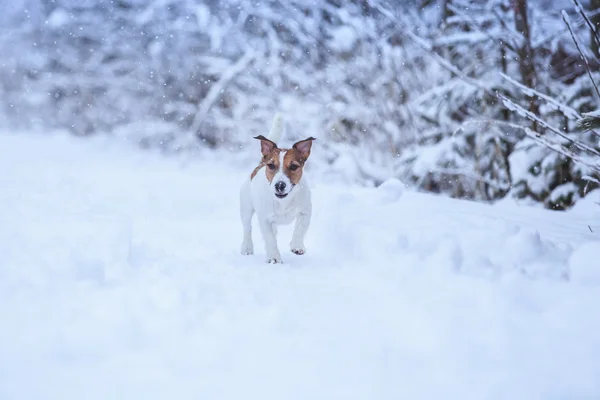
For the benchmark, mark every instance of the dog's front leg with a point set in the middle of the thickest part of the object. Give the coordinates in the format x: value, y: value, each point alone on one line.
x: 300, y: 229
x: 269, y: 232
x: 246, y: 213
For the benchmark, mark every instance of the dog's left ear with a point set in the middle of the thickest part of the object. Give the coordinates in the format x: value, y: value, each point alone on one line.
x: 303, y: 147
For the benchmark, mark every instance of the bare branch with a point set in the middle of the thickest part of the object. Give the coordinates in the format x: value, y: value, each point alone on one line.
x: 567, y: 20
x: 587, y: 21
x: 532, y: 117
x: 540, y: 139
x: 569, y: 112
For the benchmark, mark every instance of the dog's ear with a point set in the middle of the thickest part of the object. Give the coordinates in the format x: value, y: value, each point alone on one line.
x: 303, y: 147
x: 266, y: 145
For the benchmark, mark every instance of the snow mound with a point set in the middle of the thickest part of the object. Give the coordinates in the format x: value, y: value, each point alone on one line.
x: 391, y: 190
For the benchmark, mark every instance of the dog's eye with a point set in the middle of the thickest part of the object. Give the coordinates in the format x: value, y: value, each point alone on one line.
x: 271, y: 166
x: 293, y: 167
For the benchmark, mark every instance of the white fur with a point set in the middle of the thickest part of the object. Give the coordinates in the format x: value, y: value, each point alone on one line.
x: 281, y: 177
x: 258, y: 196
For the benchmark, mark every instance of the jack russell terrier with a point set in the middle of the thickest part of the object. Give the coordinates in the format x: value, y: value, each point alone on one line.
x: 278, y: 194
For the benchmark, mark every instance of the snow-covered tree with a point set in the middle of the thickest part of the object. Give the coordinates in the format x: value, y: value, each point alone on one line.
x: 476, y: 99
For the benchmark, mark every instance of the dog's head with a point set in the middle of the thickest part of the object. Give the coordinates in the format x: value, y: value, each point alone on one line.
x: 283, y: 167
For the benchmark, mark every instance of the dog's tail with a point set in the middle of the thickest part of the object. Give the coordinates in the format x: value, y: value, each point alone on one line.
x: 276, y: 128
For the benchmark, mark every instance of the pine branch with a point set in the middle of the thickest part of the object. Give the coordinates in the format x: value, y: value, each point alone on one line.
x: 590, y: 178
x: 567, y: 20
x: 589, y: 121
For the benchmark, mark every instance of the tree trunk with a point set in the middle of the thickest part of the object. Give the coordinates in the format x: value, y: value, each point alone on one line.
x: 526, y: 53
x: 446, y: 11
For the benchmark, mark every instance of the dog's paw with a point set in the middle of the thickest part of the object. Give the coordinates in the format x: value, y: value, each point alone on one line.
x: 297, y: 248
x: 275, y: 260
x: 299, y: 251
x: 247, y: 250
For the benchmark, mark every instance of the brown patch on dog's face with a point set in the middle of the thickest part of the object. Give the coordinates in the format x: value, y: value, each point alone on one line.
x: 295, y: 158
x: 292, y: 166
x: 272, y: 163
x: 270, y: 159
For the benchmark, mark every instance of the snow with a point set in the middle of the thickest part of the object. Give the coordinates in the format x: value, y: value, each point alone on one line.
x: 120, y: 278
x: 563, y: 191
x: 344, y: 38
x: 428, y: 157
x: 391, y: 190
x: 58, y: 18
x: 592, y: 114
x: 458, y: 38
x: 584, y: 269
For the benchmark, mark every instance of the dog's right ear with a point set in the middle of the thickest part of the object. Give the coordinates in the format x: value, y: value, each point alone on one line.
x: 266, y: 145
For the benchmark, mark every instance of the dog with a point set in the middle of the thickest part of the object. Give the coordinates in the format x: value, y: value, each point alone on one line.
x: 278, y: 193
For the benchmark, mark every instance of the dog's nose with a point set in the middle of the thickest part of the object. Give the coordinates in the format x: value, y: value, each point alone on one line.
x: 280, y: 186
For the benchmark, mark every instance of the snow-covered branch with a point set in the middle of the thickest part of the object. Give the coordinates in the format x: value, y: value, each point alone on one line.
x: 569, y: 112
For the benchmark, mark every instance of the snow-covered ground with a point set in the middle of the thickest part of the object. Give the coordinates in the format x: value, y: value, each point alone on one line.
x: 120, y: 278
